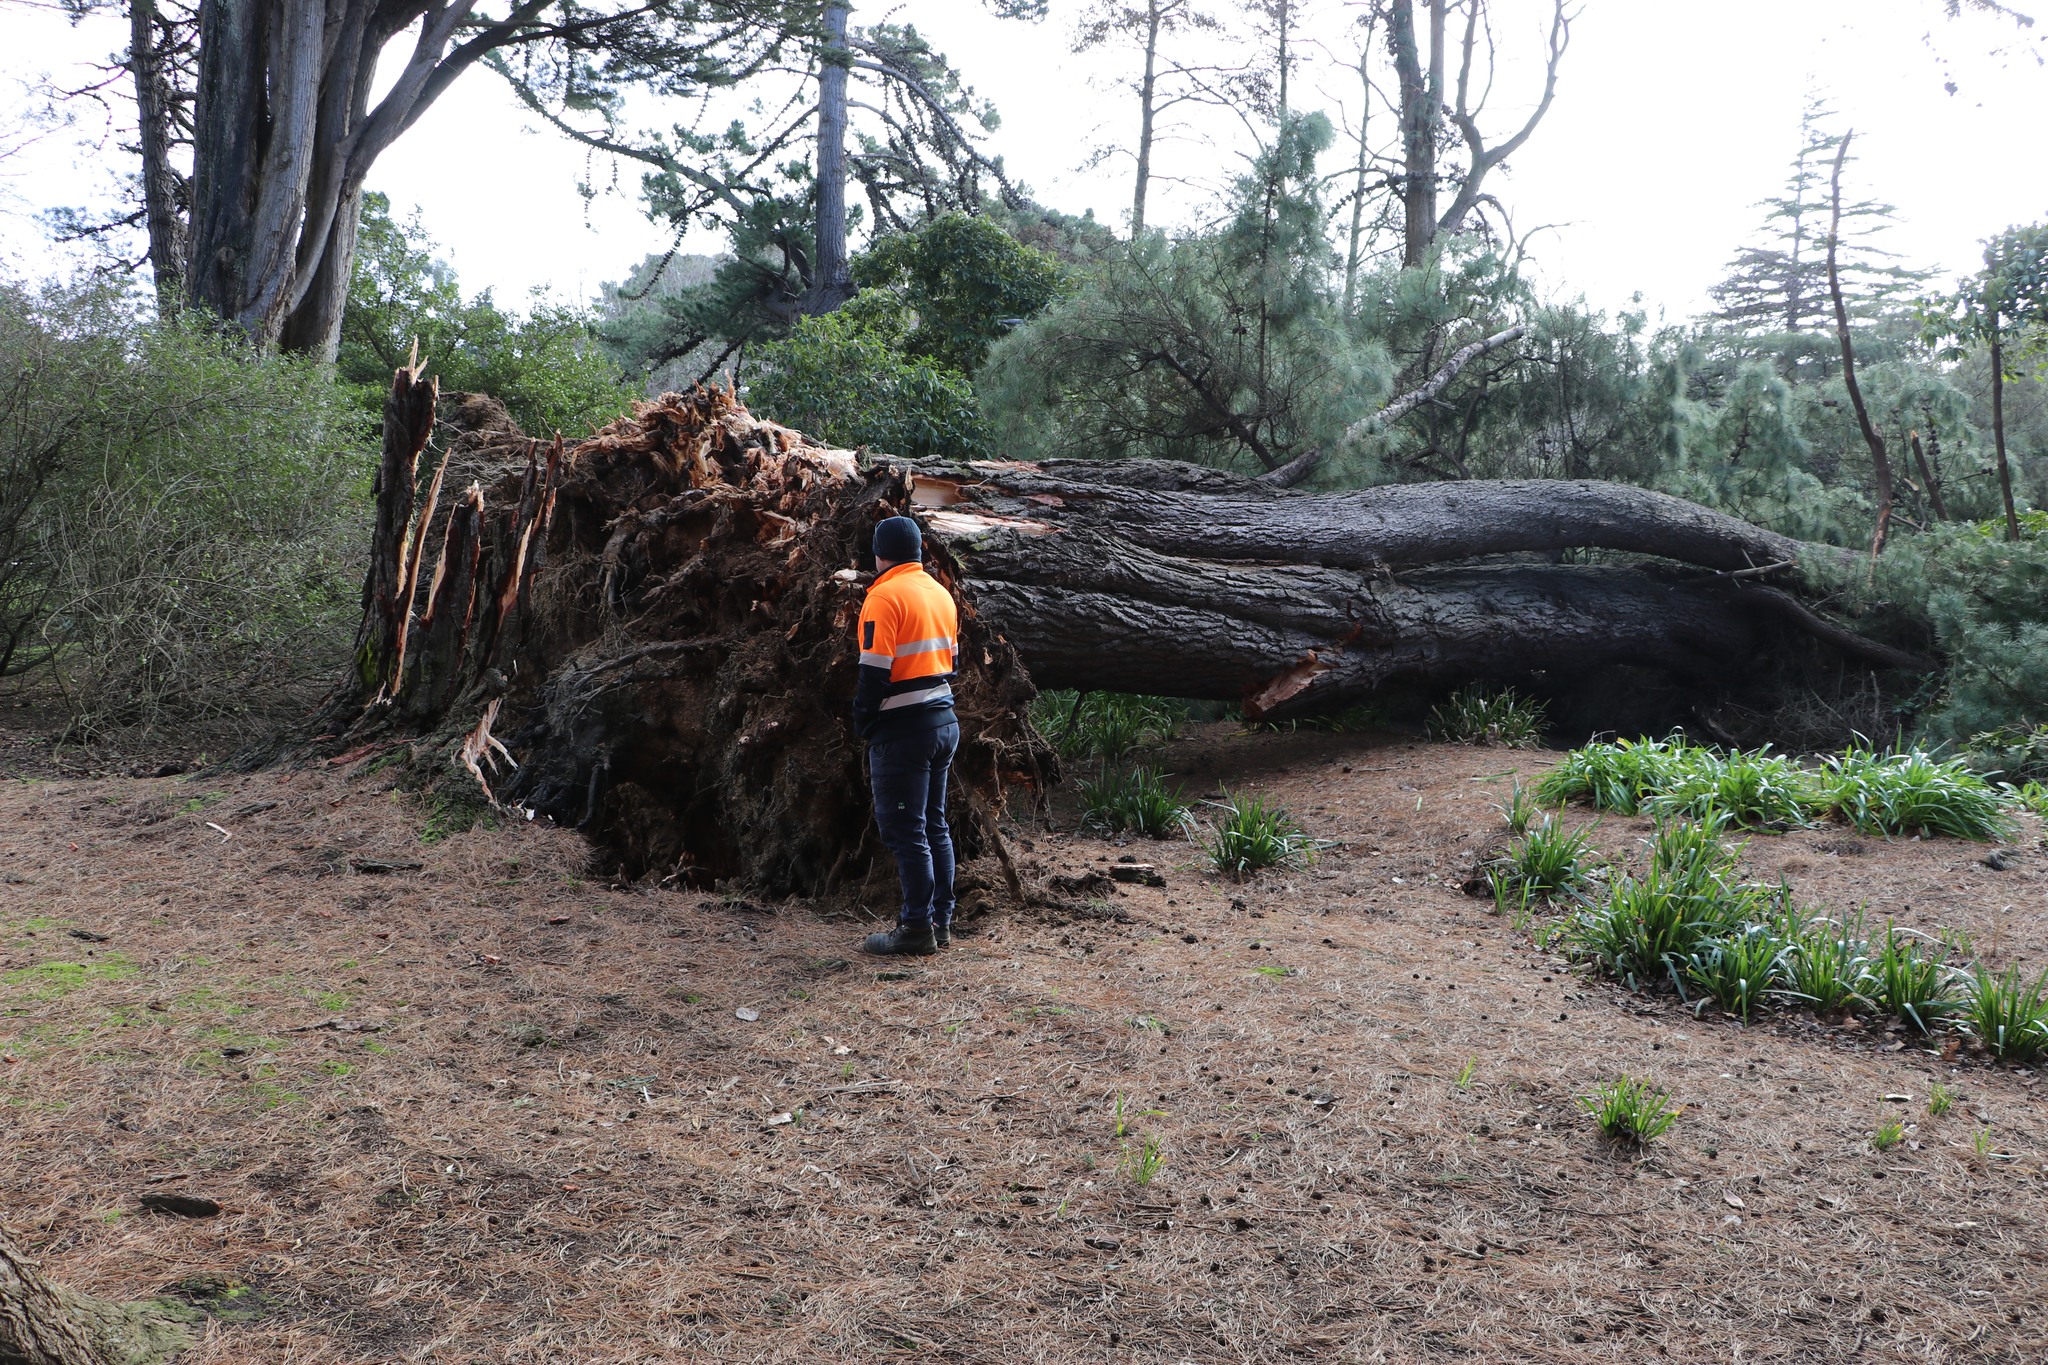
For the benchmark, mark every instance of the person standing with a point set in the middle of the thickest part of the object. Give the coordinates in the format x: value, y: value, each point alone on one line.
x: 903, y: 708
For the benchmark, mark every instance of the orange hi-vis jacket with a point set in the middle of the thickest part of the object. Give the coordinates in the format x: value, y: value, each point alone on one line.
x: 908, y: 629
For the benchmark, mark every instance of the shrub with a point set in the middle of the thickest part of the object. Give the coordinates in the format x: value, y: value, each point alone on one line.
x: 1910, y: 983
x: 1137, y: 801
x: 842, y: 380
x: 1475, y: 715
x: 1520, y: 809
x: 1252, y: 835
x: 1738, y: 971
x: 1630, y: 1111
x: 2009, y: 1016
x: 2017, y: 753
x: 1911, y: 793
x: 190, y: 549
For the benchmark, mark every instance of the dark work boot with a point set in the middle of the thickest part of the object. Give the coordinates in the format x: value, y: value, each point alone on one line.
x: 942, y: 934
x: 905, y: 940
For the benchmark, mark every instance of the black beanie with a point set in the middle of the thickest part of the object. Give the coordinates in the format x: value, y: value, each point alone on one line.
x: 898, y: 539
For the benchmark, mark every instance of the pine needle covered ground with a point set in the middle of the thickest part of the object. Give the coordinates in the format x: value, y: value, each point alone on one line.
x: 491, y: 1108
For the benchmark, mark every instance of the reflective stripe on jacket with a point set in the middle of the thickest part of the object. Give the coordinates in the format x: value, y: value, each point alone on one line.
x: 907, y: 641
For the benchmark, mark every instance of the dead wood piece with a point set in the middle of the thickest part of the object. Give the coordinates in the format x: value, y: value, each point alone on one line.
x: 180, y: 1205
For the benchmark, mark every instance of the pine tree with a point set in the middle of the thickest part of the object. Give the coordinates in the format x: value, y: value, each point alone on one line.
x: 1779, y: 286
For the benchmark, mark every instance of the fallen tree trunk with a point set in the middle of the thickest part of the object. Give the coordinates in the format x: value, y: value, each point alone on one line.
x: 648, y: 634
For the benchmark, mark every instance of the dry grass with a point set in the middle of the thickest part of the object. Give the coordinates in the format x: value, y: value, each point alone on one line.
x: 556, y: 1142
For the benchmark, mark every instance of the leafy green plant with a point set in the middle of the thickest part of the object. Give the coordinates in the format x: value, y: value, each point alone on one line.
x: 1521, y: 808
x: 2034, y: 796
x: 2009, y: 1016
x: 1251, y: 835
x: 1143, y: 1158
x: 1105, y: 726
x: 1548, y: 863
x: 1910, y: 982
x: 1757, y: 789
x: 1631, y: 1111
x: 1467, y: 1072
x: 1940, y: 1100
x: 1827, y: 966
x: 1478, y: 715
x: 1912, y: 793
x: 1693, y: 852
x: 1614, y: 776
x: 1738, y: 971
x: 1648, y: 927
x: 1137, y: 801
x: 1888, y: 1135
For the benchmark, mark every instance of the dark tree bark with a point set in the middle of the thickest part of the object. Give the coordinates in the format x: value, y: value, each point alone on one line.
x: 1929, y: 479
x: 1880, y: 459
x: 163, y: 215
x: 832, y: 284
x: 2012, y: 516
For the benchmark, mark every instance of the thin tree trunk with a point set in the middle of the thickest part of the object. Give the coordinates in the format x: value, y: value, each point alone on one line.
x: 832, y: 285
x: 161, y: 211
x: 1356, y: 244
x: 1418, y: 135
x: 1147, y: 92
x: 1928, y: 478
x: 1880, y: 460
x: 2012, y: 516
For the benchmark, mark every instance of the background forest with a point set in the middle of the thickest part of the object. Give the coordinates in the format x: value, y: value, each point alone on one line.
x: 189, y: 431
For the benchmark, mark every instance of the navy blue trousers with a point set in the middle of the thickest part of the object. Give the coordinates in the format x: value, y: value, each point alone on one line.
x: 909, y: 779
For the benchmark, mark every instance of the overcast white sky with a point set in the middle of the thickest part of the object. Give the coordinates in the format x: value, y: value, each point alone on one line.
x: 1671, y: 121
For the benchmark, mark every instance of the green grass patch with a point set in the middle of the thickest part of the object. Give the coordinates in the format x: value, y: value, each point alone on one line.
x: 1912, y: 793
x: 53, y: 980
x: 1548, y: 863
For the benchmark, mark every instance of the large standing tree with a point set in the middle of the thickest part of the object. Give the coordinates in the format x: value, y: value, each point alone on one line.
x: 270, y: 101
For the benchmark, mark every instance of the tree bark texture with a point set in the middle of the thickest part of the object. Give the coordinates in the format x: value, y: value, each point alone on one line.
x: 1162, y: 578
x: 2012, y: 516
x: 833, y: 284
x: 162, y: 213
x: 649, y: 634
x: 284, y: 136
x: 46, y: 1324
x: 1421, y: 105
x: 1880, y: 459
x: 1148, y: 86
